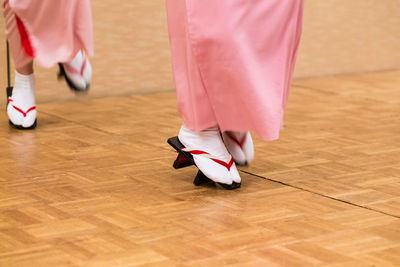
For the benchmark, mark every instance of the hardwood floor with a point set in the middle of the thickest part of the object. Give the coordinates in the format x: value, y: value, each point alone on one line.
x: 93, y: 185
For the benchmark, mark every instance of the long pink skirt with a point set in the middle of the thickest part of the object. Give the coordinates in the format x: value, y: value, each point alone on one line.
x: 50, y: 31
x: 233, y: 62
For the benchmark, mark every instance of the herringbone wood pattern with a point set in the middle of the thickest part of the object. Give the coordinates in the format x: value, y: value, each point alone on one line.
x: 93, y: 185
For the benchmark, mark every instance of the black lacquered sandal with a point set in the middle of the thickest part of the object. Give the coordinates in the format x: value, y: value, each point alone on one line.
x: 185, y: 159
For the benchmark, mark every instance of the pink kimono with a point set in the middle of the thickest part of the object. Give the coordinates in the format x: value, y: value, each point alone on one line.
x: 233, y: 62
x: 50, y: 31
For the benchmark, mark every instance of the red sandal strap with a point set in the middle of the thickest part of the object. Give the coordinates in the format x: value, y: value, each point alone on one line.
x: 21, y: 111
x: 75, y: 71
x: 234, y: 139
x: 208, y: 155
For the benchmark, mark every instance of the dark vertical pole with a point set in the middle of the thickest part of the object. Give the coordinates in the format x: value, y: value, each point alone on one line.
x: 9, y: 88
x: 8, y: 66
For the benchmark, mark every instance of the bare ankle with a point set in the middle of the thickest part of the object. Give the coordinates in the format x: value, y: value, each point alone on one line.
x: 26, y: 69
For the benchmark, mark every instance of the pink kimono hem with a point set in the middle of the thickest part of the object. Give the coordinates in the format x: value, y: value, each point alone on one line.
x: 57, y: 30
x: 233, y: 62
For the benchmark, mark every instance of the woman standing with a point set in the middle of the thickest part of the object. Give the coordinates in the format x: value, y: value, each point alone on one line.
x: 50, y: 32
x: 233, y: 62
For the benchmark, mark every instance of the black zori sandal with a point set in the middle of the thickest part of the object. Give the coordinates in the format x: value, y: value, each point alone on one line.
x: 63, y: 75
x: 185, y: 159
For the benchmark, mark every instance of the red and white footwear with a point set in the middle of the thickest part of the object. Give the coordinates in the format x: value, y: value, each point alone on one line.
x: 77, y: 72
x: 21, y: 107
x: 240, y: 145
x: 210, y: 155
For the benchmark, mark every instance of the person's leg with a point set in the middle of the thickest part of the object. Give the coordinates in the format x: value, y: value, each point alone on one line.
x: 193, y: 103
x: 200, y: 132
x: 245, y: 60
x: 240, y: 144
x: 244, y: 51
x: 32, y: 36
x: 65, y: 41
x: 21, y: 107
x: 26, y: 69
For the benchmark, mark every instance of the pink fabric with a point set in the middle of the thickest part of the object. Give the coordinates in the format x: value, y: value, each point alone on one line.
x: 233, y: 62
x: 57, y: 29
x: 14, y: 38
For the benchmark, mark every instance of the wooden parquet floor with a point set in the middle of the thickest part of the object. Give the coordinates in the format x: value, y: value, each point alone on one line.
x: 93, y: 185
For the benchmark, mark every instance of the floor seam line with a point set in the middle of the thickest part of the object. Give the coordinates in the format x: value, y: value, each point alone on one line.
x: 80, y: 124
x: 322, y: 195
